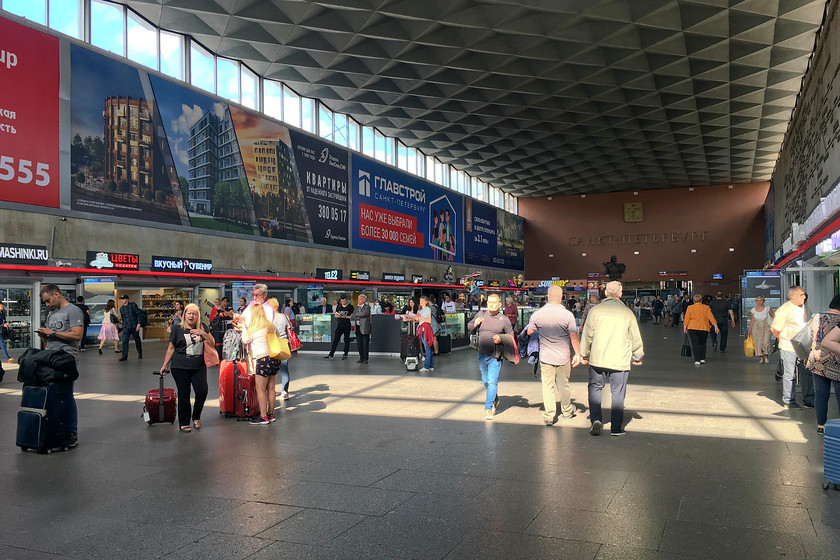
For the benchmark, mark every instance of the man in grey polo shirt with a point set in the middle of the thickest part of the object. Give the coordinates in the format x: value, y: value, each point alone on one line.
x: 558, y: 337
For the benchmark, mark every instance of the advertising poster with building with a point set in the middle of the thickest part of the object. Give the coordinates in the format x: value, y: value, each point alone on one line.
x: 205, y: 153
x: 401, y: 214
x: 119, y: 159
x: 29, y: 140
x: 493, y: 237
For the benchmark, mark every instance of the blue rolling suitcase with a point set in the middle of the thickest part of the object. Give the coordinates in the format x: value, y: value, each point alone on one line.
x: 43, y: 421
x: 832, y: 454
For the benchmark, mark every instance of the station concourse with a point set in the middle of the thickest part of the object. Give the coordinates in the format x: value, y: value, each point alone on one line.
x: 389, y: 464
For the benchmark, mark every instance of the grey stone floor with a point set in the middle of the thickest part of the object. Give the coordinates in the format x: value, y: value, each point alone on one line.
x: 372, y: 462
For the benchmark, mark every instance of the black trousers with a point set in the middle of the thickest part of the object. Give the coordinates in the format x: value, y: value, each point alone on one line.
x: 125, y: 335
x: 82, y: 343
x: 363, y: 343
x: 698, y: 343
x: 343, y: 329
x: 184, y: 378
x: 724, y: 334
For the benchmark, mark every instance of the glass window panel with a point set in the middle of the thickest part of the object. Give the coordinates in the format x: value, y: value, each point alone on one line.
x: 353, y: 134
x: 202, y: 68
x: 419, y: 160
x: 378, y: 145
x: 389, y: 150
x: 66, y: 17
x: 307, y: 114
x: 340, y: 126
x: 273, y: 99
x: 106, y: 27
x: 402, y: 156
x: 228, y: 79
x: 172, y: 54
x: 33, y: 10
x: 368, y: 141
x: 142, y: 41
x: 325, y: 122
x: 430, y: 168
x: 291, y: 107
x: 250, y: 85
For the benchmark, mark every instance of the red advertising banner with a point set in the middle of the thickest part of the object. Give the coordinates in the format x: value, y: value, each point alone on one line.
x: 29, y: 79
x: 388, y: 226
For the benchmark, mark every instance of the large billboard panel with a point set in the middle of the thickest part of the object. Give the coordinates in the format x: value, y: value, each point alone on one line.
x: 493, y: 237
x: 29, y: 140
x: 400, y: 214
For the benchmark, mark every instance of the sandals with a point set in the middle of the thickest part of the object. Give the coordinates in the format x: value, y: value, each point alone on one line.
x: 197, y: 424
x: 185, y: 429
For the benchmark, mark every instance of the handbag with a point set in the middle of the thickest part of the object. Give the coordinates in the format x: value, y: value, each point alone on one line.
x: 273, y: 342
x: 294, y: 341
x: 474, y: 337
x: 211, y: 357
x: 749, y: 347
x: 686, y: 347
x: 803, y: 341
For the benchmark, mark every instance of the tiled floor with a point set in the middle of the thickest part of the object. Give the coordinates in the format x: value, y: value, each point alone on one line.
x: 373, y: 462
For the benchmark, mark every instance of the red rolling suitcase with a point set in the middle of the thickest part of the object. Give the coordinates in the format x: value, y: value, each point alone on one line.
x: 158, y: 410
x: 237, y: 390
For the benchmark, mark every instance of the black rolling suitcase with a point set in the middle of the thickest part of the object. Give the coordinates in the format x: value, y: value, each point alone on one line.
x: 43, y: 422
x: 410, y: 349
x: 444, y: 343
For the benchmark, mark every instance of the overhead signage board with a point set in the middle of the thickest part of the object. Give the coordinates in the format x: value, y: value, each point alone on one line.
x: 393, y: 277
x: 361, y: 275
x: 178, y: 264
x: 329, y: 274
x: 15, y: 253
x: 112, y: 261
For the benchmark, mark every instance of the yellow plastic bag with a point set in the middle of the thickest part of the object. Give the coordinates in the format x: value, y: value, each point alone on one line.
x: 749, y: 347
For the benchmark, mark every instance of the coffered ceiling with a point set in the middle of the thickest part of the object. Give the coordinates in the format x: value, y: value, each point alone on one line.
x: 538, y: 97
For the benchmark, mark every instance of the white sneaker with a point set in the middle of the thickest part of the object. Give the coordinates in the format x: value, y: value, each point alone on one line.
x: 696, y: 363
x: 424, y: 369
x: 702, y: 361
x: 285, y: 396
x: 489, y: 414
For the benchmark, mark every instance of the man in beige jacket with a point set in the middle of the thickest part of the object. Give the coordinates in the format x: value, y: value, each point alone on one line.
x: 610, y: 344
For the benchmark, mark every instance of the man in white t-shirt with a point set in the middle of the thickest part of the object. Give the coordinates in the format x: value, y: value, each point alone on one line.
x: 448, y: 306
x: 789, y: 320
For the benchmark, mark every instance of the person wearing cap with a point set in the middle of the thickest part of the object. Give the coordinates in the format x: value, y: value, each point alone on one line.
x: 130, y: 317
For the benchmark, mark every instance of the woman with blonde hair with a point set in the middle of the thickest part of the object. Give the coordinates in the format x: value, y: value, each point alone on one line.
x: 281, y: 323
x: 185, y: 354
x: 760, y: 319
x: 266, y: 368
x: 698, y: 319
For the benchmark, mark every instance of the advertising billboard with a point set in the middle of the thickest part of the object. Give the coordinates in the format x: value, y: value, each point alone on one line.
x: 401, y: 214
x: 493, y: 237
x: 29, y: 139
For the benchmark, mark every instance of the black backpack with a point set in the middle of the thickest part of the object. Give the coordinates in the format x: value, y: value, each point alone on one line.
x: 142, y: 318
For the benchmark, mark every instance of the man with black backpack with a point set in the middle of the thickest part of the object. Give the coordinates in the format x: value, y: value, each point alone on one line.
x: 133, y: 319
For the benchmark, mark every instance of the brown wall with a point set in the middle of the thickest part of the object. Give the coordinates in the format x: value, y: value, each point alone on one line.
x: 708, y: 219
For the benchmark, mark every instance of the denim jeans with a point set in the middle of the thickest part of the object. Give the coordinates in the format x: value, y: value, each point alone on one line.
x: 3, y: 346
x: 490, y: 368
x: 618, y: 387
x: 125, y: 336
x: 74, y: 420
x: 823, y: 395
x: 429, y: 360
x: 284, y: 375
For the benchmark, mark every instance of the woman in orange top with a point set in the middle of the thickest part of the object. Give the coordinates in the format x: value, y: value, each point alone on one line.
x: 698, y: 318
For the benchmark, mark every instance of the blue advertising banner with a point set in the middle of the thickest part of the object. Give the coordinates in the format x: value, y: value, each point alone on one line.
x: 401, y: 214
x: 493, y: 237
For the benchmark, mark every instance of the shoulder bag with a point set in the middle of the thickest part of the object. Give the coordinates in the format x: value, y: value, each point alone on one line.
x: 803, y: 341
x: 686, y: 347
x: 211, y: 357
x: 294, y: 341
x: 474, y: 334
